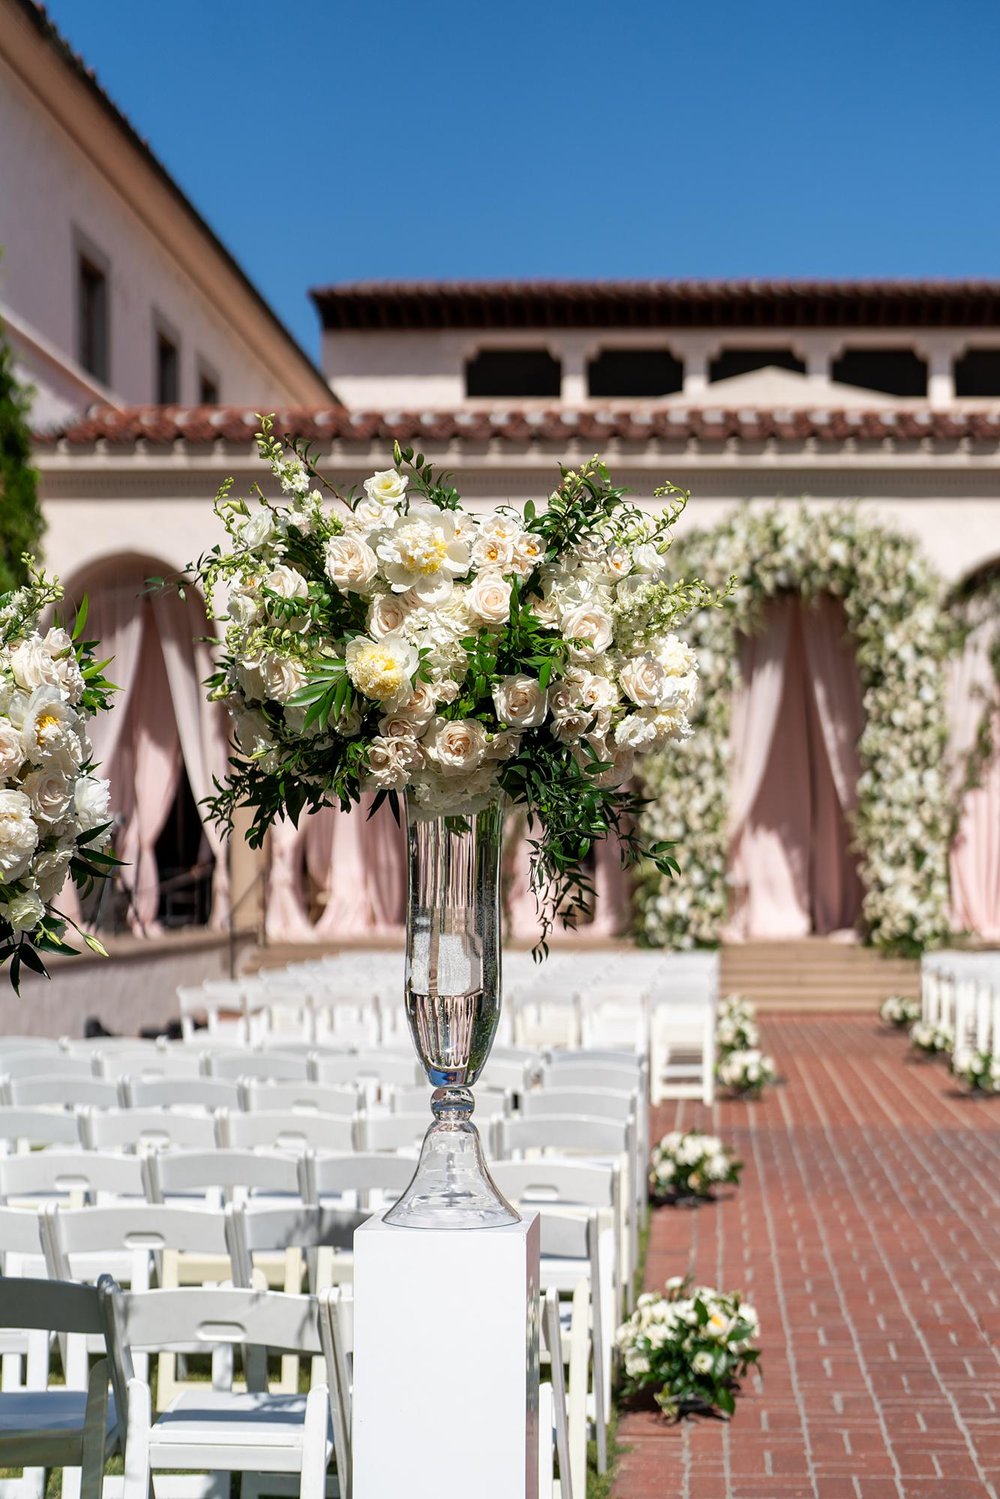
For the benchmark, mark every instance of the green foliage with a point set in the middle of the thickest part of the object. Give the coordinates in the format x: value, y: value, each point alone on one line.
x: 21, y: 523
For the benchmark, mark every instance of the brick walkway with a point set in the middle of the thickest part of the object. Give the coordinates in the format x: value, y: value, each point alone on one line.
x: 867, y: 1233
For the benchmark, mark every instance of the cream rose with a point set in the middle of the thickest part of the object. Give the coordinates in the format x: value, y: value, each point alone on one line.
x: 18, y: 835
x: 386, y: 487
x: 244, y: 607
x: 49, y: 792
x: 520, y: 701
x: 456, y: 746
x: 287, y: 583
x: 386, y: 615
x: 25, y: 911
x: 32, y: 666
x: 11, y: 755
x: 392, y: 762
x: 350, y: 563
x: 645, y: 681
x: 636, y: 732
x: 282, y: 676
x: 588, y: 631
x: 254, y: 530
x: 489, y: 598
x: 92, y: 802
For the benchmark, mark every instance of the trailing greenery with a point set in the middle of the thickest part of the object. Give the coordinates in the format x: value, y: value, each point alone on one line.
x: 21, y: 523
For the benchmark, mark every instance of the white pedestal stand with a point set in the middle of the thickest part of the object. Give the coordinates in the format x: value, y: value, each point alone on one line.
x: 446, y: 1361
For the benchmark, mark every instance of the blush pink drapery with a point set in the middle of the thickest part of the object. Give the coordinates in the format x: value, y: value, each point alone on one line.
x: 355, y: 866
x: 974, y: 862
x: 795, y: 726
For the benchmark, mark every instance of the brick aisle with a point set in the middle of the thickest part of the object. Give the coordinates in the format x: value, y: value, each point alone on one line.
x: 867, y: 1233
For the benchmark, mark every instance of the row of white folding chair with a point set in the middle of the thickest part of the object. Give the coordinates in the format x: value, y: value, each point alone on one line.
x: 976, y: 1017
x: 682, y: 1049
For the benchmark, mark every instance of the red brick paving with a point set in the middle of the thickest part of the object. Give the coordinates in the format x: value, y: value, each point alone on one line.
x: 866, y: 1231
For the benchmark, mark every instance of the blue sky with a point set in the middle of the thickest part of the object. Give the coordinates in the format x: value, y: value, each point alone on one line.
x: 332, y: 142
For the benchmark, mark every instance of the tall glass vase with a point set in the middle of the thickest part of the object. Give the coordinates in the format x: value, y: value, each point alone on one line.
x: 452, y: 1005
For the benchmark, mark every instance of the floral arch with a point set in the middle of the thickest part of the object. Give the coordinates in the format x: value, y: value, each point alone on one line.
x: 895, y: 611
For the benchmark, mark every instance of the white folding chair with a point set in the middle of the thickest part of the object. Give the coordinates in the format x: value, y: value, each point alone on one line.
x: 69, y: 1176
x: 45, y: 1063
x: 285, y: 1129
x: 682, y: 1049
x: 399, y: 1132
x: 362, y: 1180
x: 66, y: 1428
x: 382, y: 1067
x: 181, y: 1093
x: 137, y: 1130
x: 218, y: 1176
x: 553, y: 1432
x: 282, y: 1066
x: 320, y: 1098
x: 58, y: 1091
x: 150, y: 1060
x: 220, y: 1430
x: 27, y: 1129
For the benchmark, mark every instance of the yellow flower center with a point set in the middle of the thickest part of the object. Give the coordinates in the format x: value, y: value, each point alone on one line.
x: 43, y: 723
x: 377, y: 673
x: 422, y: 548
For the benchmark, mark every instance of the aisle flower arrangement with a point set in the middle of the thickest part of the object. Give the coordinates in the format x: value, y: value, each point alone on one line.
x: 54, y: 818
x: 746, y: 1072
x: 691, y: 1346
x: 979, y: 1071
x: 736, y: 1027
x: 894, y: 605
x: 931, y: 1040
x: 392, y: 640
x: 689, y: 1165
x: 900, y: 1012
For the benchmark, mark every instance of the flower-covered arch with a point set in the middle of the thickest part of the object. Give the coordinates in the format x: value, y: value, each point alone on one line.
x: 894, y: 607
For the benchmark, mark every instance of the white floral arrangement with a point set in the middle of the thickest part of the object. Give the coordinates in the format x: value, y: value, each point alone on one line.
x: 690, y: 1346
x: 54, y: 819
x: 395, y: 641
x: 690, y: 1164
x: 736, y: 1027
x: 979, y: 1070
x: 931, y: 1040
x: 899, y: 1011
x: 746, y: 1072
x: 894, y: 604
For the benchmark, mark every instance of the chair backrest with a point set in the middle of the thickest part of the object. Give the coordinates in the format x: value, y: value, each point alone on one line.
x: 598, y: 1103
x: 208, y: 1173
x: 382, y: 1066
x: 137, y: 1226
x: 69, y: 1091
x: 565, y: 1132
x: 151, y: 1061
x: 47, y: 1173
x: 44, y: 1063
x: 273, y: 1230
x: 606, y: 1075
x: 51, y: 1305
x: 284, y: 1129
x: 338, y: 1304
x: 393, y: 1131
x: 181, y: 1092
x: 137, y: 1129
x: 547, y: 1179
x: 552, y: 1337
x: 320, y: 1098
x: 356, y: 1176
x: 20, y: 1235
x: 39, y: 1126
x: 280, y: 1065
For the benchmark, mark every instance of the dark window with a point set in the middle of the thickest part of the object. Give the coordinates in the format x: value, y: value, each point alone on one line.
x: 896, y: 372
x: 167, y: 370
x: 977, y: 373
x: 731, y: 362
x: 92, y: 312
x: 184, y: 864
x: 208, y: 389
x: 513, y: 372
x: 634, y: 372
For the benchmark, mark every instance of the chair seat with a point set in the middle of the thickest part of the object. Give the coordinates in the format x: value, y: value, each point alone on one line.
x: 44, y: 1428
x: 235, y: 1431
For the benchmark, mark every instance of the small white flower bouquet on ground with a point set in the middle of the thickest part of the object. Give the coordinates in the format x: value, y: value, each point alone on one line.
x: 746, y: 1073
x: 688, y: 1165
x: 690, y: 1347
x: 736, y: 1028
x: 978, y: 1070
x: 931, y: 1040
x: 54, y: 817
x: 394, y: 641
x: 900, y: 1012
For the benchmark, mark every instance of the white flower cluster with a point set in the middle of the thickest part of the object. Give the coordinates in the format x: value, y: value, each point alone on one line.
x: 894, y: 605
x: 49, y: 799
x: 432, y: 582
x: 694, y: 1341
x: 979, y: 1070
x: 736, y: 1028
x: 690, y: 1163
x: 746, y: 1072
x: 932, y: 1040
x: 899, y: 1011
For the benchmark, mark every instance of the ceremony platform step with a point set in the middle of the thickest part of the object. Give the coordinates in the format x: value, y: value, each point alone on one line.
x: 815, y: 973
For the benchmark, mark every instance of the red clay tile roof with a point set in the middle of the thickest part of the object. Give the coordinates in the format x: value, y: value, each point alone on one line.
x: 375, y: 305
x: 168, y: 425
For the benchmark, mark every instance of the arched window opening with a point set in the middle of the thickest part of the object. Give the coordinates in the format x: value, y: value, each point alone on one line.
x: 185, y: 863
x: 977, y: 373
x: 895, y: 372
x: 731, y: 362
x: 513, y: 372
x: 641, y: 373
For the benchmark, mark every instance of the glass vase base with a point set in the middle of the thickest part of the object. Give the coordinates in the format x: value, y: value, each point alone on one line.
x: 451, y: 1187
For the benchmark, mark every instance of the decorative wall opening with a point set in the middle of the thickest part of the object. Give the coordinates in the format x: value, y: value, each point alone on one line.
x: 977, y: 373
x: 731, y: 362
x: 897, y: 372
x: 634, y: 372
x: 513, y: 372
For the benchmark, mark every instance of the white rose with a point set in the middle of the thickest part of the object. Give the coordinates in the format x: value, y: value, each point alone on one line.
x: 18, y: 835
x: 11, y: 755
x: 455, y: 746
x: 67, y: 668
x: 588, y: 631
x: 287, y: 583
x: 702, y: 1363
x: 520, y: 701
x: 282, y: 676
x: 251, y: 680
x: 386, y: 615
x: 25, y: 911
x: 503, y: 746
x: 32, y: 665
x: 488, y: 598
x: 91, y: 802
x: 386, y: 487
x: 350, y: 563
x: 645, y: 681
x: 244, y: 607
x: 51, y: 867
x: 392, y: 762
x: 49, y: 791
x: 418, y: 709
x: 635, y: 732
x: 255, y: 529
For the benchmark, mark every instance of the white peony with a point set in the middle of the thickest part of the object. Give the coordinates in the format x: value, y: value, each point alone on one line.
x: 48, y: 730
x: 382, y: 669
x: 456, y: 746
x: 489, y: 598
x: 351, y: 565
x: 32, y: 665
x: 420, y: 551
x: 520, y: 701
x: 18, y: 835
